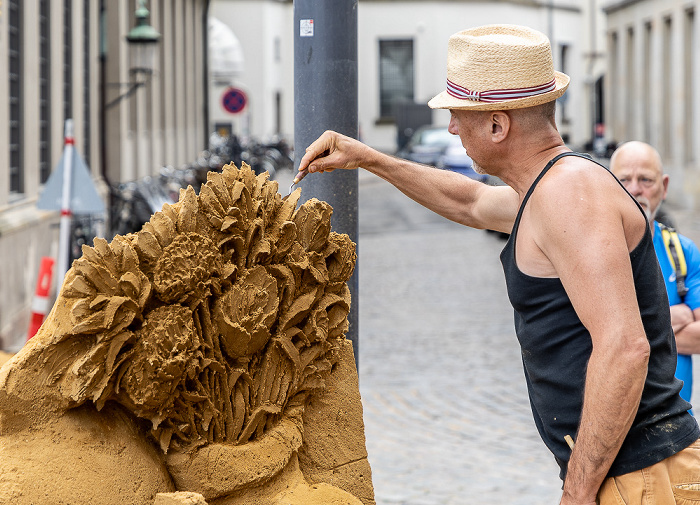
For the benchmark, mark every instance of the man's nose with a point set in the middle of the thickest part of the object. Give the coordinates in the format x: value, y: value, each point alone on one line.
x: 452, y: 127
x: 633, y: 187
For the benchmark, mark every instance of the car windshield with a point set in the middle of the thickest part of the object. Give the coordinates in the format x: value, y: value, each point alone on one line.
x: 455, y: 141
x: 436, y: 136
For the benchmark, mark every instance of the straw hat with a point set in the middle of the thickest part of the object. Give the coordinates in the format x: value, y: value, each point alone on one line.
x: 497, y: 67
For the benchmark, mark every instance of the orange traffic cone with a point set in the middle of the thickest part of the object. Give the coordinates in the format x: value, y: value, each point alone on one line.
x: 40, y: 304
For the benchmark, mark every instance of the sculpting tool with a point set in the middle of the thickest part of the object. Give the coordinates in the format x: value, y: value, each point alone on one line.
x: 297, y: 179
x: 305, y: 172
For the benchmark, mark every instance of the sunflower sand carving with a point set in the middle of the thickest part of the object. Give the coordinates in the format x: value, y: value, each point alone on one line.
x: 204, y: 354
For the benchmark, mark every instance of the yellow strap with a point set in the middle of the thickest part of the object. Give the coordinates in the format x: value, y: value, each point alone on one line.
x: 669, y: 236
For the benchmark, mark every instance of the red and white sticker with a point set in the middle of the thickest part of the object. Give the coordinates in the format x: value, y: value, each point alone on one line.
x: 306, y: 27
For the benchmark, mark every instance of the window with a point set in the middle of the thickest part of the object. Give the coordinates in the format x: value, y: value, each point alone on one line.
x: 14, y: 11
x: 395, y: 75
x: 44, y: 91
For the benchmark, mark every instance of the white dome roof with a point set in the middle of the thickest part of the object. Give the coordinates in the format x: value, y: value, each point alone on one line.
x: 225, y: 51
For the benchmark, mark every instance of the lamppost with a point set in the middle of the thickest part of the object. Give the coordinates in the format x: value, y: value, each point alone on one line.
x: 142, y: 40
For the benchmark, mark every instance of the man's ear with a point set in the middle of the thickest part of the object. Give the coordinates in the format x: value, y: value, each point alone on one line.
x: 500, y: 125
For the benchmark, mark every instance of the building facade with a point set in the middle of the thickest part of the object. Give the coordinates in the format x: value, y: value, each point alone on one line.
x: 653, y: 71
x: 68, y: 59
x: 402, y: 54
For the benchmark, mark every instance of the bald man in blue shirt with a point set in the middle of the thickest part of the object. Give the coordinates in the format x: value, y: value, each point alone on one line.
x: 638, y: 166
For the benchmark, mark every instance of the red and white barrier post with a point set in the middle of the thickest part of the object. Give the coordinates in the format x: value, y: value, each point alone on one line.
x: 40, y: 303
x: 66, y: 212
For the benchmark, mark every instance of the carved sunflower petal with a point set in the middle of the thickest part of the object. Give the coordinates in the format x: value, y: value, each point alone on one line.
x: 290, y: 351
x: 115, y: 347
x: 300, y: 308
x: 213, y: 198
x: 171, y: 211
x: 259, y: 416
x: 163, y: 228
x: 98, y: 275
x: 124, y: 255
x: 101, y: 246
x: 187, y: 218
x: 247, y: 176
x: 130, y: 285
x: 230, y: 221
x: 149, y: 248
x: 285, y: 211
x: 99, y: 301
x: 116, y: 303
x: 145, y: 291
x: 79, y: 288
x: 89, y: 323
x: 216, y: 193
x: 81, y: 309
x: 313, y: 220
x: 91, y: 254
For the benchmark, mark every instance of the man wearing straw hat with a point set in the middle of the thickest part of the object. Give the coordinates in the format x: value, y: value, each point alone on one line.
x: 591, y: 311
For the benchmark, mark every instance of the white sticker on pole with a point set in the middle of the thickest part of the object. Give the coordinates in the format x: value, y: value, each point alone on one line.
x: 306, y: 28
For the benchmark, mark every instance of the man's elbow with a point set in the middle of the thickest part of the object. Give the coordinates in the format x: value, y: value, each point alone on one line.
x: 634, y: 351
x: 639, y: 351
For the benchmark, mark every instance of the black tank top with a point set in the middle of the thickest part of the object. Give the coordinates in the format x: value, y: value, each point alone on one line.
x: 555, y: 348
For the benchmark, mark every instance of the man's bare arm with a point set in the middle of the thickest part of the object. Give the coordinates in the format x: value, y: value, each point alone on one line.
x: 588, y: 246
x: 449, y: 194
x: 688, y: 337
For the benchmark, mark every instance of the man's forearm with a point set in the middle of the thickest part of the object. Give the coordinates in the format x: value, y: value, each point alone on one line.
x: 611, y: 399
x: 688, y: 339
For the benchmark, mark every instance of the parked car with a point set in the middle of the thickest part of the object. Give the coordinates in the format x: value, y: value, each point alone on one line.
x: 426, y: 145
x: 455, y: 158
x: 434, y: 145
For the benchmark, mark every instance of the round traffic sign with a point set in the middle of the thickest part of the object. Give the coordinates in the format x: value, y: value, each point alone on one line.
x: 234, y: 100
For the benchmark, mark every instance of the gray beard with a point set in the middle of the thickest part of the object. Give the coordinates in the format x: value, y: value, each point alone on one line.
x: 478, y: 168
x: 646, y: 207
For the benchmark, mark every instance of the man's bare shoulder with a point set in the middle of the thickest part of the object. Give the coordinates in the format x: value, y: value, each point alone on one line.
x: 577, y: 180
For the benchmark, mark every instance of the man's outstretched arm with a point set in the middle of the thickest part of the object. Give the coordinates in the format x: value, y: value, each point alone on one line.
x: 449, y: 194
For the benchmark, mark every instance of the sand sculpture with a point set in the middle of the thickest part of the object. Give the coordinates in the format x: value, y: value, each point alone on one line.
x: 200, y: 360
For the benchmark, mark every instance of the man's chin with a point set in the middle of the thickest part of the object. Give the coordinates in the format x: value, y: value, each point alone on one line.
x: 478, y: 168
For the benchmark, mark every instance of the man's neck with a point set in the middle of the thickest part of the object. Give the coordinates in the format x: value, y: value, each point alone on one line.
x: 524, y: 170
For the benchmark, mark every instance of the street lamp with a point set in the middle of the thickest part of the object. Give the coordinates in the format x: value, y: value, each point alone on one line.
x: 142, y: 40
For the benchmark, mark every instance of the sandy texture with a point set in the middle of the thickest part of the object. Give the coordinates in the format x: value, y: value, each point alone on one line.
x: 180, y: 498
x: 204, y: 354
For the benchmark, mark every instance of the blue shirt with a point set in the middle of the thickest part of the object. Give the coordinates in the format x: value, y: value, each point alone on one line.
x: 684, y: 369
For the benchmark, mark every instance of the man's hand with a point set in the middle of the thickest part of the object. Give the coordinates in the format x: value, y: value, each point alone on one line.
x: 330, y: 151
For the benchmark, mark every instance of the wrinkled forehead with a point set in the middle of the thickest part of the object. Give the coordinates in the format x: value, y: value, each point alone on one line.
x: 636, y: 166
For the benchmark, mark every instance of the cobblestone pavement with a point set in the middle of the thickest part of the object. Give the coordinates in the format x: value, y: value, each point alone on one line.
x: 446, y: 413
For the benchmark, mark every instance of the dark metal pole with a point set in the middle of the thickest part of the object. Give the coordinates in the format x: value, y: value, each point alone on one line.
x: 325, y: 98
